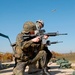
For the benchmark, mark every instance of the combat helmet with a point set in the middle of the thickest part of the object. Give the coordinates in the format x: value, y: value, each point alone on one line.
x: 29, y: 26
x: 40, y: 21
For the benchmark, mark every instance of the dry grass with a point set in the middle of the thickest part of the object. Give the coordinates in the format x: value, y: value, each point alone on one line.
x: 6, y: 57
x: 68, y: 56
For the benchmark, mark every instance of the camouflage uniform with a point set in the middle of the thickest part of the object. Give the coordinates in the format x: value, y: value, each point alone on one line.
x: 26, y: 50
x: 44, y: 47
x: 49, y: 54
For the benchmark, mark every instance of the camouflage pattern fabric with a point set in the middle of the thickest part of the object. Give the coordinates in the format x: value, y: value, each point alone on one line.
x: 25, y: 51
x: 24, y: 48
x: 29, y: 26
x: 19, y: 69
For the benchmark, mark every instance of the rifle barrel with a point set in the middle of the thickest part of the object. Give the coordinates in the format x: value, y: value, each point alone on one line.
x: 63, y: 34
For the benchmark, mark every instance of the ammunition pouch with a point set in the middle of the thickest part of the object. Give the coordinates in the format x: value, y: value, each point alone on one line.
x: 22, y: 57
x: 20, y: 54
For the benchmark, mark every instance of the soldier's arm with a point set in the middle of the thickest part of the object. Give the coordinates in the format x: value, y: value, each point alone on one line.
x: 21, y: 43
x: 31, y: 42
x: 26, y: 44
x: 19, y: 40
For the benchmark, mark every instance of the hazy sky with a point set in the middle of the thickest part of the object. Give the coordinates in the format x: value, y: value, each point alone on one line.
x: 58, y: 15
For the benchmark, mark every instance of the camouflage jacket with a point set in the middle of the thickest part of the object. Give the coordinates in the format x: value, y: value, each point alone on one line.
x: 25, y: 47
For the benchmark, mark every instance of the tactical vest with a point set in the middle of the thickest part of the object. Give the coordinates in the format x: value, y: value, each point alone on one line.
x: 23, y: 53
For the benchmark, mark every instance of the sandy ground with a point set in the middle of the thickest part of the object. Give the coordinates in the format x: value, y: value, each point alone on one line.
x: 54, y: 70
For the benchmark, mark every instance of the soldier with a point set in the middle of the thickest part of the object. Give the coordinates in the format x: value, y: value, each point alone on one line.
x: 27, y: 49
x: 40, y: 25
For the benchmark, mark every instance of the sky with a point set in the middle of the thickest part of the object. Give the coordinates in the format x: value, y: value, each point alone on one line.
x: 58, y: 15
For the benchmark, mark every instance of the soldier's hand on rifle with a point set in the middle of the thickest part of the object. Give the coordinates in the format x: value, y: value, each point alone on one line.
x: 45, y: 36
x: 36, y: 39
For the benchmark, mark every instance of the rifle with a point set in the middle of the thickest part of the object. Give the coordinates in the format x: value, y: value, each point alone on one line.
x: 55, y: 34
x: 55, y: 42
x: 48, y: 34
x: 42, y: 33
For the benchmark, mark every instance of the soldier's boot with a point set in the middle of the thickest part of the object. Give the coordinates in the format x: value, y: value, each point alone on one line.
x: 18, y: 72
x: 45, y: 71
x: 14, y: 71
x: 33, y: 68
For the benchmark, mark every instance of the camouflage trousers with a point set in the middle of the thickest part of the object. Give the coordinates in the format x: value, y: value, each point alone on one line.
x: 20, y: 66
x: 40, y: 66
x: 42, y: 57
